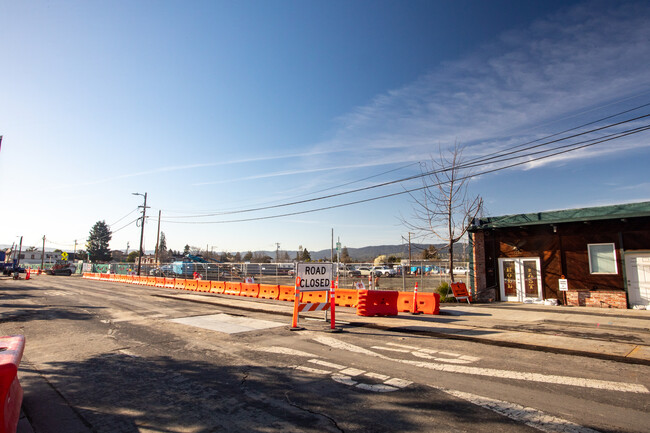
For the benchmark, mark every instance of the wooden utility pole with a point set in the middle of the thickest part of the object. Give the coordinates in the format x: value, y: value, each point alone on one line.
x: 43, y: 255
x: 158, y: 239
x: 144, y: 216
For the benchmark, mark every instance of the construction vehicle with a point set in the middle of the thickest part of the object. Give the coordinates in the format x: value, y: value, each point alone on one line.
x: 8, y: 265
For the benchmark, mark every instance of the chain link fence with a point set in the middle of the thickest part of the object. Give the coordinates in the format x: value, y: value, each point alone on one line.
x: 428, y: 274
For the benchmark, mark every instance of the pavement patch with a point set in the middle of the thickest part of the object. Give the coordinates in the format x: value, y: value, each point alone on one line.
x: 227, y: 324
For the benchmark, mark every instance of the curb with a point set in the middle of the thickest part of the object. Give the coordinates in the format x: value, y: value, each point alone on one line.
x: 437, y: 334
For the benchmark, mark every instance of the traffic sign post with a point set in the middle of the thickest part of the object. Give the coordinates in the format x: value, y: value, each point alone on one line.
x: 313, y: 277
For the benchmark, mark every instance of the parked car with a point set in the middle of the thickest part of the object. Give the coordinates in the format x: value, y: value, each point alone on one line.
x: 383, y: 271
x: 365, y: 271
x: 461, y: 270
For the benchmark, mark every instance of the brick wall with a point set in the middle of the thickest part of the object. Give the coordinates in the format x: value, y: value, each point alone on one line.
x: 598, y: 298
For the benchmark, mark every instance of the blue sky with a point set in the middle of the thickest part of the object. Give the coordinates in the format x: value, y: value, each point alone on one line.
x: 215, y: 106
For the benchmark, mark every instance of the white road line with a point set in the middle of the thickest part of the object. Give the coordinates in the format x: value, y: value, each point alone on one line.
x: 378, y: 387
x: 400, y: 383
x: 377, y: 376
x: 345, y: 380
x: 391, y: 349
x: 327, y: 364
x: 449, y: 360
x: 352, y: 372
x: 284, y: 351
x: 404, y: 346
x: 309, y: 369
x: 488, y: 372
x: 527, y: 415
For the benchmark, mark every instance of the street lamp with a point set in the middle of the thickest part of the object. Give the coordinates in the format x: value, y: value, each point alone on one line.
x: 144, y: 211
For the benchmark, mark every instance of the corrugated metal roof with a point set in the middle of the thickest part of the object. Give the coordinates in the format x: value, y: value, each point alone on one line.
x: 629, y: 210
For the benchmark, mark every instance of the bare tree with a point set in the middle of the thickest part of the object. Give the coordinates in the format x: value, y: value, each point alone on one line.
x: 442, y: 207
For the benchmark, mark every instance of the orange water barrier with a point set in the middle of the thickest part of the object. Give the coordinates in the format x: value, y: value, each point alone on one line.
x: 367, y: 302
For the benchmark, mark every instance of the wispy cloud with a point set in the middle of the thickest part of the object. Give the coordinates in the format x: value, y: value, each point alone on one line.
x: 562, y: 70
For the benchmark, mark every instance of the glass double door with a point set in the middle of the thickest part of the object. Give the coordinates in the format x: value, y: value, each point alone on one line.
x: 520, y: 279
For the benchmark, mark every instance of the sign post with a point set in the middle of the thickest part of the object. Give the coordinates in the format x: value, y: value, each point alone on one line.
x: 313, y: 277
x: 563, y: 284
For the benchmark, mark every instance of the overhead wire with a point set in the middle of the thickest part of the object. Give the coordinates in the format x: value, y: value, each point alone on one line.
x: 472, y: 163
x: 563, y: 150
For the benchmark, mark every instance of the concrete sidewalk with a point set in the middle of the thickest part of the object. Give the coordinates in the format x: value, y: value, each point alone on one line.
x: 619, y: 335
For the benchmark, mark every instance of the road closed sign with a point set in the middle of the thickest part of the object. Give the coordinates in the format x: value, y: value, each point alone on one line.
x: 314, y: 276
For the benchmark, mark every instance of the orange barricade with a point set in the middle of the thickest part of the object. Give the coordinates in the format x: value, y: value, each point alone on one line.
x: 85, y: 275
x: 11, y: 393
x: 104, y: 276
x: 269, y: 291
x: 191, y: 285
x: 346, y: 298
x: 160, y: 282
x: 203, y: 286
x: 315, y: 297
x: 128, y: 279
x: 250, y: 290
x: 232, y: 288
x: 170, y: 282
x: 217, y: 287
x: 377, y: 303
x: 287, y: 293
x: 180, y: 283
x: 428, y: 303
x: 460, y: 292
x: 139, y: 280
x: 151, y: 281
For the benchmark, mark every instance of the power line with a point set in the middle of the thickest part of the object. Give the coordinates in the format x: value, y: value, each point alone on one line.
x: 472, y: 163
x: 560, y: 152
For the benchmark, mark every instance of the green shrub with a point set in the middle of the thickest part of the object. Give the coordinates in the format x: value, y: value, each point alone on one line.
x: 442, y: 290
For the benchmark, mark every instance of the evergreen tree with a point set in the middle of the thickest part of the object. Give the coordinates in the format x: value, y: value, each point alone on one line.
x: 131, y: 257
x: 162, y: 247
x: 186, y: 250
x: 97, y: 242
x: 248, y: 256
x: 345, y: 255
x: 238, y: 257
x: 306, y: 257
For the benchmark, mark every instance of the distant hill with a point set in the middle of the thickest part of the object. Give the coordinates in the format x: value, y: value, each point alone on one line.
x: 370, y: 252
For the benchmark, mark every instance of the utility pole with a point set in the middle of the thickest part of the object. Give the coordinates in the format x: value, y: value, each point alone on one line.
x: 127, y: 249
x: 43, y: 255
x: 74, y: 254
x: 410, y: 249
x: 277, y: 252
x: 332, y: 248
x: 144, y: 215
x: 19, y: 250
x: 158, y: 239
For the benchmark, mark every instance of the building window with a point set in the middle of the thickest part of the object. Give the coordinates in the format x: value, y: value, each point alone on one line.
x: 602, y: 259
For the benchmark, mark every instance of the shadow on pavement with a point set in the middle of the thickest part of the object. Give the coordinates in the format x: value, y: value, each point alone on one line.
x: 121, y: 393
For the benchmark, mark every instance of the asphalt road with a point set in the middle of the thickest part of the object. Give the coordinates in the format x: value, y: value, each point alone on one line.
x: 107, y: 357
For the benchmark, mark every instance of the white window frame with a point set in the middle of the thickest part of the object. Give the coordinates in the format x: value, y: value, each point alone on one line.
x: 591, y: 271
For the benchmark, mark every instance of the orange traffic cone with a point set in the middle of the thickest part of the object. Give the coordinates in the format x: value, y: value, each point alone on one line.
x: 28, y: 274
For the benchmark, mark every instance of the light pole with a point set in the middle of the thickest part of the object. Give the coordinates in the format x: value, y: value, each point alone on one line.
x: 144, y: 211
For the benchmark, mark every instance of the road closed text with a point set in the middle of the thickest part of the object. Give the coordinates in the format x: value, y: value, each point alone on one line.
x: 315, y: 276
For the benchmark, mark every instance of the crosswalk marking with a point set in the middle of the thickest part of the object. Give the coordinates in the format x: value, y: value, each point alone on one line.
x: 490, y: 372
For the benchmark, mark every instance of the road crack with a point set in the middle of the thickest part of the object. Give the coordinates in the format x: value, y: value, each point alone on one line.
x: 332, y: 420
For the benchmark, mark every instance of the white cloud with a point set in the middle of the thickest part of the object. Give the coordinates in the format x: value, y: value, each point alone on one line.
x: 564, y: 69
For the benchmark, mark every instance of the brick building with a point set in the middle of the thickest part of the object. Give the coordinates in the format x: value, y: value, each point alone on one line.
x: 597, y: 256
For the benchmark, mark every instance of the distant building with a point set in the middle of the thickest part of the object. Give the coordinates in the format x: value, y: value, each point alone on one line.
x: 148, y: 260
x: 35, y: 257
x: 597, y: 256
